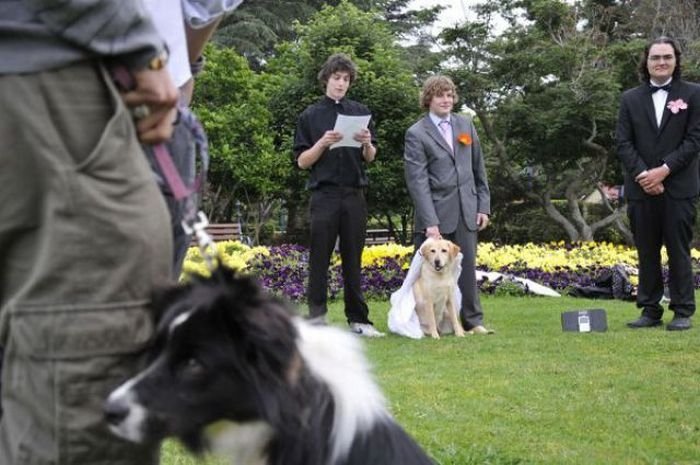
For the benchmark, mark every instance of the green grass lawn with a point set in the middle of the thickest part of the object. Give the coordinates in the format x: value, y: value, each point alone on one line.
x: 531, y: 394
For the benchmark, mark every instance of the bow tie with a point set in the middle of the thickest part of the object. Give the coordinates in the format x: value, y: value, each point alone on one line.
x: 666, y: 87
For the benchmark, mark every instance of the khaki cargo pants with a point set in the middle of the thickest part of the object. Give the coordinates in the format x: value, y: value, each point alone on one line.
x: 84, y: 237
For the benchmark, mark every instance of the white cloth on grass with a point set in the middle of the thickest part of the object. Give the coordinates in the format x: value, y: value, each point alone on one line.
x: 530, y: 286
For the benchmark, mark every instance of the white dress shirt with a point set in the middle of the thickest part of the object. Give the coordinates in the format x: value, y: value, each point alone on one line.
x: 449, y: 135
x: 659, y: 97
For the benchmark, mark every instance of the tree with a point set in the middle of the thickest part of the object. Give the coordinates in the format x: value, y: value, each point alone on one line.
x: 257, y: 27
x: 231, y: 102
x: 545, y: 92
x: 546, y: 95
x: 384, y: 84
x: 405, y: 22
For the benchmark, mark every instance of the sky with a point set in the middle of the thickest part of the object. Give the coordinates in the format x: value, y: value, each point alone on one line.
x: 456, y: 11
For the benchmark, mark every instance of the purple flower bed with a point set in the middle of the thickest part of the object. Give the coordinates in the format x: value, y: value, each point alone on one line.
x: 559, y: 279
x: 285, y: 273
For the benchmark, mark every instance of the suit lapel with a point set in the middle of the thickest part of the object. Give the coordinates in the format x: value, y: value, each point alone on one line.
x: 458, y: 128
x: 648, y: 103
x: 434, y: 132
x: 673, y: 95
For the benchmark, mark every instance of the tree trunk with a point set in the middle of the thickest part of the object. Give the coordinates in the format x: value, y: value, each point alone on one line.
x: 297, y: 220
x: 561, y: 220
x: 575, y: 225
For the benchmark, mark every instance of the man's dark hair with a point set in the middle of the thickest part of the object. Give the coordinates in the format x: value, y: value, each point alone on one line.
x: 338, y: 62
x: 644, y: 71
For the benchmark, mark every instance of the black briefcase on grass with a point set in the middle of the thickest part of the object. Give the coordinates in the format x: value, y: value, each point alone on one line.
x: 584, y: 321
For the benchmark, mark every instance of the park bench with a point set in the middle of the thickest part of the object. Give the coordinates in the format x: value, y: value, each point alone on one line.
x: 232, y: 232
x: 222, y: 232
x: 378, y: 237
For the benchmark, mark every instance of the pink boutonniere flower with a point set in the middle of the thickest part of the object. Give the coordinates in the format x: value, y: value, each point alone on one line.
x: 677, y: 105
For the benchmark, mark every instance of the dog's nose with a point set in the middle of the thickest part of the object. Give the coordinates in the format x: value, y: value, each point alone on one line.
x: 115, y: 411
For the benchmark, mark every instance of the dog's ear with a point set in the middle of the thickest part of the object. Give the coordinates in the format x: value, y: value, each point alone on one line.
x: 163, y: 297
x: 225, y: 275
x: 425, y: 247
x: 262, y: 322
x: 454, y: 250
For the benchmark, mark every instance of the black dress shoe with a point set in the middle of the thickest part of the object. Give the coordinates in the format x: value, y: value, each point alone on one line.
x: 644, y: 322
x: 679, y: 323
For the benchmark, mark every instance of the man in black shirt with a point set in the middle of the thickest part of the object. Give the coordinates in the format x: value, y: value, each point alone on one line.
x: 337, y: 181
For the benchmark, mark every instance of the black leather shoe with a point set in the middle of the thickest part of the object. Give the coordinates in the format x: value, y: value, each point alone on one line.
x: 644, y: 322
x: 679, y: 323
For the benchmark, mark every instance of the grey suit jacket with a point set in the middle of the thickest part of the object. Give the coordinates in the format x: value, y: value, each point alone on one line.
x: 445, y: 186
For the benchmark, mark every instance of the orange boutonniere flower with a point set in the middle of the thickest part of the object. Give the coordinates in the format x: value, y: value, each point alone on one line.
x: 464, y: 139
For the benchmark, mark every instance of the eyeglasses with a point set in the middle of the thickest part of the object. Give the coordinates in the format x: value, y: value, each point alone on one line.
x: 661, y: 57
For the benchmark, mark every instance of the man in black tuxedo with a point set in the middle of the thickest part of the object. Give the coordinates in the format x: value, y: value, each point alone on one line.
x: 658, y: 140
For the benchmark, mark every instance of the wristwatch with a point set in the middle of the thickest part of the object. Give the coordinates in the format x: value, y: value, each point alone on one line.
x: 159, y: 61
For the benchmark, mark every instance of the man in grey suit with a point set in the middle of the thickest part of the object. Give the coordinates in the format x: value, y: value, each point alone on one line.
x: 445, y: 175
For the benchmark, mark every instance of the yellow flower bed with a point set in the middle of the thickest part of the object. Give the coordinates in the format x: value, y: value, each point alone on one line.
x: 233, y: 254
x: 554, y: 256
x: 377, y: 254
x: 546, y: 257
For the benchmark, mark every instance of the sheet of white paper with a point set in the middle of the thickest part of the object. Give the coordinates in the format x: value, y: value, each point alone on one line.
x: 349, y: 126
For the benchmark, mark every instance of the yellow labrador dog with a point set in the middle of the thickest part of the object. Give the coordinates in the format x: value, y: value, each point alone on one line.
x: 435, y: 287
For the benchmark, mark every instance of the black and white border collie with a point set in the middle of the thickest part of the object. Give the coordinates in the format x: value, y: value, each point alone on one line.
x: 236, y: 373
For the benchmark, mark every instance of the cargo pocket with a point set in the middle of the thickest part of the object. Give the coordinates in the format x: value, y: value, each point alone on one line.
x: 115, y: 152
x: 69, y: 359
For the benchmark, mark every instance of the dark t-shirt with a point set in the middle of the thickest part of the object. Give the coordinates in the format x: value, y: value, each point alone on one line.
x: 343, y: 166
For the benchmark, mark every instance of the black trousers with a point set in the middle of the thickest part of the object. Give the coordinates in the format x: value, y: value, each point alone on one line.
x: 471, y: 314
x: 656, y: 221
x: 337, y: 212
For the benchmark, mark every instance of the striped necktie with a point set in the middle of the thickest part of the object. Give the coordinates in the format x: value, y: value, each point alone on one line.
x: 446, y: 131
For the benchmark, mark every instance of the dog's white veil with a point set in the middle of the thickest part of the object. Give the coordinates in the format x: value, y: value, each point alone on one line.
x: 402, y: 315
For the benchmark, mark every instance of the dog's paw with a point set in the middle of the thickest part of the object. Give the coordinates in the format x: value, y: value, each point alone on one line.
x: 459, y: 332
x: 435, y: 335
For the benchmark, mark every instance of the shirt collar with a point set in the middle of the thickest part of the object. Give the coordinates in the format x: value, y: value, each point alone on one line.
x: 436, y: 119
x: 332, y: 101
x: 653, y: 84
